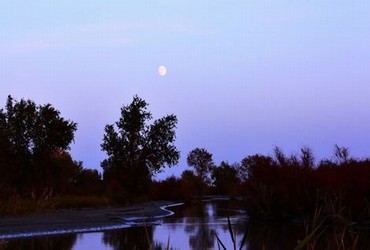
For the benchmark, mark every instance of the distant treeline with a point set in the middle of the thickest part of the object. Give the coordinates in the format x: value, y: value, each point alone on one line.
x: 282, y: 186
x: 34, y: 162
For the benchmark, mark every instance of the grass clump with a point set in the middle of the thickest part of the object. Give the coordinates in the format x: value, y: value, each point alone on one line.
x: 17, y: 205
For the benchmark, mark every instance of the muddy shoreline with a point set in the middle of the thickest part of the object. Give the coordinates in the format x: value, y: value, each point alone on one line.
x: 83, y: 220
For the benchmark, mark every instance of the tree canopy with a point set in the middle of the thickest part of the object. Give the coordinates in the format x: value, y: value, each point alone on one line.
x: 137, y: 149
x: 202, y: 162
x: 225, y: 178
x: 30, y: 135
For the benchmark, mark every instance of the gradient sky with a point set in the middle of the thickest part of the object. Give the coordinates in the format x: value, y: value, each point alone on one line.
x: 242, y: 75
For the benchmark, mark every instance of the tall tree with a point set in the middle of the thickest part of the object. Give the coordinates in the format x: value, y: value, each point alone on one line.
x: 136, y: 149
x: 32, y: 129
x: 255, y: 167
x: 201, y: 160
x: 29, y: 136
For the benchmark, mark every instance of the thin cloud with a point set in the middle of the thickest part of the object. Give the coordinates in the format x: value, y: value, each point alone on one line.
x: 104, y: 34
x: 23, y: 47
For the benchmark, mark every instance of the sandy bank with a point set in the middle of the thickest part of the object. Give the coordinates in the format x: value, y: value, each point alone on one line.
x: 82, y: 220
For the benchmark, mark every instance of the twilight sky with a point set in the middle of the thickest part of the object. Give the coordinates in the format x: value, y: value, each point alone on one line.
x: 242, y: 75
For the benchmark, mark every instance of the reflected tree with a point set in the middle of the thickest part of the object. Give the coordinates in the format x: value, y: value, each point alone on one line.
x: 201, y: 236
x: 58, y: 242
x: 132, y: 238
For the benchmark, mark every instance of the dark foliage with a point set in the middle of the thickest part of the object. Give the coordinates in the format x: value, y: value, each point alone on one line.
x: 201, y: 160
x: 137, y: 150
x: 169, y: 189
x: 176, y: 189
x: 225, y: 179
x: 31, y: 136
x: 293, y: 187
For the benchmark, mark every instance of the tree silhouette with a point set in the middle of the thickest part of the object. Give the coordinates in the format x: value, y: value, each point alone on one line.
x: 189, y: 183
x: 34, y: 129
x: 307, y: 158
x: 225, y: 178
x: 202, y: 162
x: 137, y: 150
x: 131, y: 238
x: 252, y: 166
x: 29, y: 136
x: 341, y: 154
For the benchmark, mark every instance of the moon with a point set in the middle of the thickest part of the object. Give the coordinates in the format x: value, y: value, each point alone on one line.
x: 162, y: 70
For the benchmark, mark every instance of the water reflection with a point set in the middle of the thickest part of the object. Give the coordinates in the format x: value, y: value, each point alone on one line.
x: 273, y: 235
x: 198, y: 230
x: 60, y: 242
x: 133, y: 238
x: 192, y: 227
x: 200, y: 235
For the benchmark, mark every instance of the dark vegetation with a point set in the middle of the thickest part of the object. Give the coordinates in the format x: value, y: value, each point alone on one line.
x: 137, y: 150
x: 36, y: 168
x: 281, y: 187
x: 38, y: 173
x: 330, y: 198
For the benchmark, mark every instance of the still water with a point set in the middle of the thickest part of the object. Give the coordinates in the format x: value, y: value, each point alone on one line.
x: 193, y: 226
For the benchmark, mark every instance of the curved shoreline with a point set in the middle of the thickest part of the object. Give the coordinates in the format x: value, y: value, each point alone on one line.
x: 140, y: 219
x: 84, y: 220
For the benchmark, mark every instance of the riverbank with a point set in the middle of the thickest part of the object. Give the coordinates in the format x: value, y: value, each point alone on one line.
x: 83, y: 220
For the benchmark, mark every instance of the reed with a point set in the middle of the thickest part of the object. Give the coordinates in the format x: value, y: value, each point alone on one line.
x: 3, y: 244
x: 232, y: 237
x: 338, y: 236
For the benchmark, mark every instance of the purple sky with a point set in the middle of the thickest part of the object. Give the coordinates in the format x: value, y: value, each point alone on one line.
x: 242, y: 76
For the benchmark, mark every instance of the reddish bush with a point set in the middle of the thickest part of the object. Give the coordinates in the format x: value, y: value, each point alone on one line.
x: 289, y: 186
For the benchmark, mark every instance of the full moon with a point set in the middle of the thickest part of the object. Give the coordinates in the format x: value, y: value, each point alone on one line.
x: 162, y: 70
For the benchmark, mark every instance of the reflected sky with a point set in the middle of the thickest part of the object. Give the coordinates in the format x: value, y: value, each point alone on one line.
x: 90, y: 241
x: 192, y: 227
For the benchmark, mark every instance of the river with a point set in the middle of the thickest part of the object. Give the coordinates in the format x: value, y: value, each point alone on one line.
x: 193, y: 226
